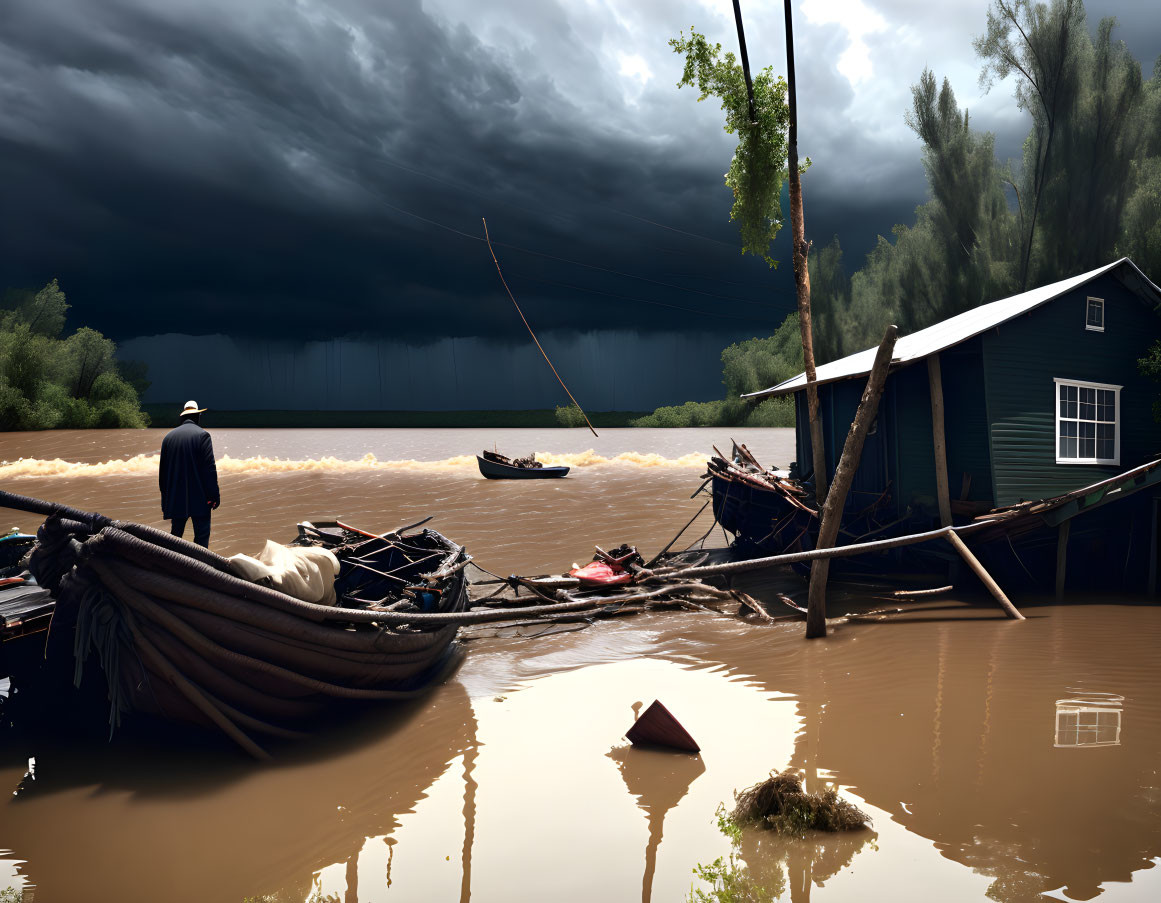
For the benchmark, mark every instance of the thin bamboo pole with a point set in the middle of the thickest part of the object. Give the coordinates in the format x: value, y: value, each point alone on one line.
x: 802, y: 271
x: 832, y: 510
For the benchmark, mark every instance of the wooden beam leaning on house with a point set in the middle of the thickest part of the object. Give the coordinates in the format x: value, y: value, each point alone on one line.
x: 935, y: 385
x: 832, y: 509
x: 985, y: 577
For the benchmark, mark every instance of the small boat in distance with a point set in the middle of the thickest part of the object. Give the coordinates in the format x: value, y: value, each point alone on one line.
x: 495, y: 466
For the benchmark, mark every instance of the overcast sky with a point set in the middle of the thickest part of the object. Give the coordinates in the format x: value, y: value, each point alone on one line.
x: 320, y: 167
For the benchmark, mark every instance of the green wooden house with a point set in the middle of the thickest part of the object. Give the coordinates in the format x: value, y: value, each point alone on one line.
x: 1041, y: 395
x: 1028, y: 397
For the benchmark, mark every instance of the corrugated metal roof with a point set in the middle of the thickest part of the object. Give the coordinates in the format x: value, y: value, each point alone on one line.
x: 952, y: 331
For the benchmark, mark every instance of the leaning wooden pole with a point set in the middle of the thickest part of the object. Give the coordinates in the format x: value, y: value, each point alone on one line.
x: 985, y: 577
x: 802, y: 273
x: 488, y: 239
x: 832, y: 509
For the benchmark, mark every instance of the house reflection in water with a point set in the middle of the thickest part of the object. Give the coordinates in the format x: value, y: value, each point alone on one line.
x: 1089, y: 720
x: 955, y: 746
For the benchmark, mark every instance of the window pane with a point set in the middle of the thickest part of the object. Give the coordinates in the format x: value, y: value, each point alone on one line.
x: 1087, y: 404
x: 1067, y: 447
x: 1106, y: 441
x: 1068, y: 428
x: 1063, y: 401
x: 1106, y: 405
x: 1096, y: 312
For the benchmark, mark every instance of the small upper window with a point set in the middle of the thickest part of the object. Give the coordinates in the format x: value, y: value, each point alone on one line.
x: 1095, y: 315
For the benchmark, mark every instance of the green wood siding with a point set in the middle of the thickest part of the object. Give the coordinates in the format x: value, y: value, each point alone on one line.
x: 1022, y: 358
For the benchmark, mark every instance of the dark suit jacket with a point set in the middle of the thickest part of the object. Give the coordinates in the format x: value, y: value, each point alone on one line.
x: 188, y: 477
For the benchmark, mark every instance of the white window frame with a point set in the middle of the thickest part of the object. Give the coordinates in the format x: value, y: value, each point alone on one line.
x: 1082, y: 384
x: 1088, y: 325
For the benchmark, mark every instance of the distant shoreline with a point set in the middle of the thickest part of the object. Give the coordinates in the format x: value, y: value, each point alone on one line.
x: 165, y: 415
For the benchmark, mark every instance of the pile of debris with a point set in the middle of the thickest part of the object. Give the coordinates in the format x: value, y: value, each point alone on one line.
x: 781, y: 804
x: 614, y: 584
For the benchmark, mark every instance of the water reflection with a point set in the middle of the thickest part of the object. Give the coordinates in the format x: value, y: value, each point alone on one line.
x: 659, y: 780
x: 144, y: 822
x: 939, y: 728
x: 1091, y: 720
x: 952, y: 745
x: 800, y: 864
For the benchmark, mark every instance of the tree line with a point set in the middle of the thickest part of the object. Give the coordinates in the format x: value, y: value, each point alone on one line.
x: 1086, y: 190
x: 50, y: 382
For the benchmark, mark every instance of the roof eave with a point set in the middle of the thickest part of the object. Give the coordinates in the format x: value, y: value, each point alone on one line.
x: 791, y: 385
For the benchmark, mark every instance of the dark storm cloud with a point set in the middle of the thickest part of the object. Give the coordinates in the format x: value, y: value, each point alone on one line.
x: 199, y: 169
x: 320, y: 168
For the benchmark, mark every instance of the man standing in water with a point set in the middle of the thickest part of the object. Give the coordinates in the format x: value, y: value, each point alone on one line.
x: 189, y: 477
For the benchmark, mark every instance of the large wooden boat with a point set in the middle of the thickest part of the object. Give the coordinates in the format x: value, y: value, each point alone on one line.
x: 178, y: 635
x: 497, y: 467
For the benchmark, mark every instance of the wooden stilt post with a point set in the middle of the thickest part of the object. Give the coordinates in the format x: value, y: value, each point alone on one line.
x: 1061, y: 556
x: 943, y: 494
x: 832, y: 509
x: 981, y: 572
x: 1152, y: 586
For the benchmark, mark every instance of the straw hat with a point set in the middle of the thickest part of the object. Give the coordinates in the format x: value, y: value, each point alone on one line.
x: 191, y: 407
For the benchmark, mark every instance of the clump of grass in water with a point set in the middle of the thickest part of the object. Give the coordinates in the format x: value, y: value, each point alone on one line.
x: 781, y: 804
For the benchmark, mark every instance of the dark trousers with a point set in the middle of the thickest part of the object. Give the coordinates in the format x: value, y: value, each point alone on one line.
x: 201, y: 528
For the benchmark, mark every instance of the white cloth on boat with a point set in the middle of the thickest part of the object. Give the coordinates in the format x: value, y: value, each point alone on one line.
x: 304, y: 572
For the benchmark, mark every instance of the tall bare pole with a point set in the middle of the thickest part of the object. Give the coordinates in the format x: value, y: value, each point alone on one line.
x: 745, y: 60
x: 801, y: 272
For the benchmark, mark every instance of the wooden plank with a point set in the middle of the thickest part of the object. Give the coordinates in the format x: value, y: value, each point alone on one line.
x: 942, y: 492
x: 981, y: 572
x: 1061, y: 557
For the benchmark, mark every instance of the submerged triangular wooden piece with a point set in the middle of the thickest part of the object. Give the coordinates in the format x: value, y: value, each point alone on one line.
x: 657, y: 727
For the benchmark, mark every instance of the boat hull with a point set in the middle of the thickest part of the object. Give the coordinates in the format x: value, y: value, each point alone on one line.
x: 494, y: 470
x: 169, y: 631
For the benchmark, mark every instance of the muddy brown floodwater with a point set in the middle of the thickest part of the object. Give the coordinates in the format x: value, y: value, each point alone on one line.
x: 1000, y: 760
